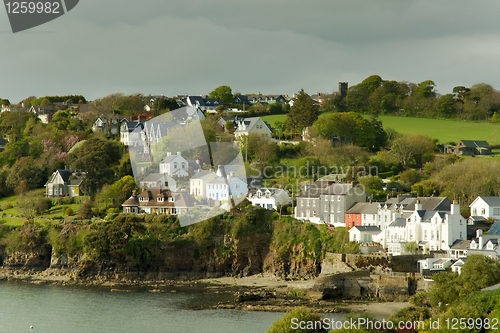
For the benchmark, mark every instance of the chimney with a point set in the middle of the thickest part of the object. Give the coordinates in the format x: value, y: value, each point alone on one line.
x: 134, y: 193
x: 178, y: 153
x: 479, y: 233
x: 418, y: 205
x: 168, y: 153
x: 481, y: 242
x: 455, y: 208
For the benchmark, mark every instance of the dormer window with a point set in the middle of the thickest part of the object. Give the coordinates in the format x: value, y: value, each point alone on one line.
x: 160, y: 199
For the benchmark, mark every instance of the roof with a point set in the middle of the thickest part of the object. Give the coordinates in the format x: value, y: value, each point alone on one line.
x: 475, y: 143
x: 400, y: 222
x: 460, y: 245
x: 202, y: 175
x: 367, y: 228
x: 153, y: 177
x: 491, y: 201
x: 364, y: 208
x: 250, y: 123
x: 132, y: 201
x: 495, y: 228
x: 428, y: 203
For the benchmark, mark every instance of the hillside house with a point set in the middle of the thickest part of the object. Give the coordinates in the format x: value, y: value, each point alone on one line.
x: 64, y: 182
x: 470, y: 148
x: 269, y: 198
x: 174, y: 165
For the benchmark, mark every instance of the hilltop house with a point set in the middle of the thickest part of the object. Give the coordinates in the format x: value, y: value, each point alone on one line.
x: 43, y: 112
x: 130, y: 133
x: 222, y: 189
x: 158, y: 181
x: 254, y: 99
x: 64, y: 182
x: 102, y: 124
x: 269, y: 198
x: 159, y: 201
x: 174, y: 165
x: 246, y: 126
x: 470, y: 148
x: 203, y: 103
x: 485, y: 206
x: 198, y: 183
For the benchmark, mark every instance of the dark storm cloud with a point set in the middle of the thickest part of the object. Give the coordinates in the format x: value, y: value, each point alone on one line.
x: 174, y: 47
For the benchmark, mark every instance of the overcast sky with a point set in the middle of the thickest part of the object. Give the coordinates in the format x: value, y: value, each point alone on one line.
x: 273, y: 47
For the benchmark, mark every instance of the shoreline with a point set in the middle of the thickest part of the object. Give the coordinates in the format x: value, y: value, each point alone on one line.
x: 260, y: 292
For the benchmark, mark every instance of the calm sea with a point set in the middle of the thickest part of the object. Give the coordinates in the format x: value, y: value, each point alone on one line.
x: 64, y: 309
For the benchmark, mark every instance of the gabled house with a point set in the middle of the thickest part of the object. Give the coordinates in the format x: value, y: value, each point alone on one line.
x: 102, y: 124
x: 486, y: 206
x: 252, y: 125
x: 198, y: 183
x: 457, y: 265
x: 174, y: 165
x: 459, y: 248
x: 269, y: 198
x: 158, y: 181
x: 470, y: 148
x: 363, y: 234
x: 223, y: 189
x: 159, y: 201
x: 204, y: 103
x: 130, y: 133
x: 362, y: 214
x: 263, y: 99
x: 64, y: 182
x: 43, y: 112
x: 487, y: 245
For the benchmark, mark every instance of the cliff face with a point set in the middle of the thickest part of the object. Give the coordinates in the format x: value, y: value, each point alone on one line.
x: 230, y: 257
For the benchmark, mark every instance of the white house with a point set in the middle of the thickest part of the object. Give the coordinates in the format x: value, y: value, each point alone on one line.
x: 269, y: 198
x: 130, y: 133
x: 158, y: 181
x: 251, y: 125
x: 198, y: 183
x: 430, y: 230
x: 363, y: 234
x: 434, y: 264
x: 223, y: 189
x: 174, y: 165
x: 457, y: 265
x: 486, y: 207
x: 488, y: 245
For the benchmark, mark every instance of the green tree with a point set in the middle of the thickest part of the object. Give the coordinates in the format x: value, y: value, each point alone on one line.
x: 445, y: 105
x: 97, y: 157
x: 412, y: 149
x: 164, y: 104
x: 286, y: 323
x: 303, y: 113
x: 133, y: 104
x: 223, y: 93
x: 229, y: 126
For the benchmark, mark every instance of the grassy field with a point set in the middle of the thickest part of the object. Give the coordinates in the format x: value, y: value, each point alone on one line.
x: 443, y: 130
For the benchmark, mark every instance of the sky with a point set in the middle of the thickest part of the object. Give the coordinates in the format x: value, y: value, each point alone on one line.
x: 270, y: 47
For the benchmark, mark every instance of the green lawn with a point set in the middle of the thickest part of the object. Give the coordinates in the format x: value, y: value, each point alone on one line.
x: 443, y: 130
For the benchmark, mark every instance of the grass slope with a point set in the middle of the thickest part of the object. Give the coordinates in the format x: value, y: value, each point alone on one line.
x: 441, y: 129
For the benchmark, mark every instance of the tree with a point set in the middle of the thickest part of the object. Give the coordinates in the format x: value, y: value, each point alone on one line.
x: 412, y: 149
x: 130, y: 104
x: 223, y: 93
x: 445, y: 105
x: 229, y: 126
x: 105, y: 107
x: 303, y: 113
x: 97, y: 157
x: 285, y: 324
x: 163, y: 104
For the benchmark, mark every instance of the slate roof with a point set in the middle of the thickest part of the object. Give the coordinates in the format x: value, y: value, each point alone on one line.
x: 364, y: 208
x: 491, y: 201
x: 428, y: 203
x: 152, y: 177
x: 401, y: 222
x: 202, y: 175
x: 460, y: 244
x: 475, y: 143
x: 495, y: 228
x: 367, y: 228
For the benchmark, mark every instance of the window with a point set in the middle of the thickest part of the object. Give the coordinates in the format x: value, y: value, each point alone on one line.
x: 483, y: 211
x: 496, y: 211
x: 437, y: 235
x: 175, y: 165
x: 474, y: 211
x: 425, y: 234
x: 432, y: 234
x: 460, y: 235
x: 160, y: 199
